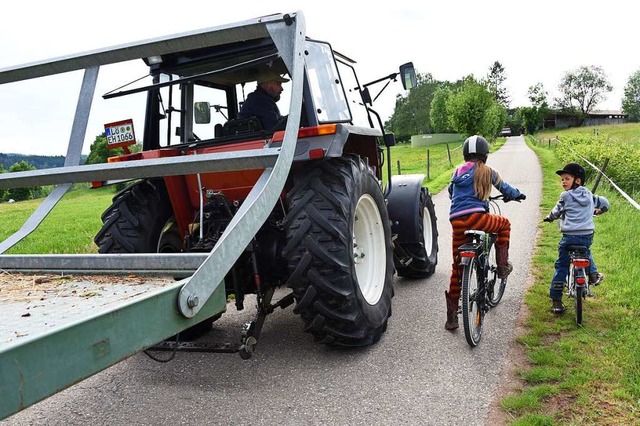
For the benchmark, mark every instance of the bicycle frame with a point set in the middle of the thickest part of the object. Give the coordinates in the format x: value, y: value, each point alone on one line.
x: 577, y: 282
x: 478, y: 248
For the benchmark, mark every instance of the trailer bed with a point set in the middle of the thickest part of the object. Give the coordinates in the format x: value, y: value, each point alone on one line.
x: 58, y: 330
x: 33, y: 305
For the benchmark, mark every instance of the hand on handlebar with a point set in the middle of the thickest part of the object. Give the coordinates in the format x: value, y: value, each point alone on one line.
x: 548, y: 219
x: 518, y: 198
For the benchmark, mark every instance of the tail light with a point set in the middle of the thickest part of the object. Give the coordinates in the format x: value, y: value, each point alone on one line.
x: 467, y: 254
x: 581, y: 263
x: 581, y: 281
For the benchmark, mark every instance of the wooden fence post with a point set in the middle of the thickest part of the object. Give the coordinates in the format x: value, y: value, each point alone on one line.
x: 604, y: 166
x: 449, y: 155
x: 428, y: 164
x: 399, y: 167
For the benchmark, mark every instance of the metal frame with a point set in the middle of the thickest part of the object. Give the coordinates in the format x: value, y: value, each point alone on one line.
x: 35, y: 367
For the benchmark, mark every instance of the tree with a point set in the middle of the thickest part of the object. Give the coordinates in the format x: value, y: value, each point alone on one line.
x: 473, y: 109
x: 583, y: 89
x: 21, y: 194
x: 495, y: 81
x: 537, y: 95
x: 438, y: 114
x: 631, y: 99
x: 411, y: 114
x: 533, y: 117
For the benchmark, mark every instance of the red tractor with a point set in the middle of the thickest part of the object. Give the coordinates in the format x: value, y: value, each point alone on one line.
x: 334, y: 233
x: 299, y: 205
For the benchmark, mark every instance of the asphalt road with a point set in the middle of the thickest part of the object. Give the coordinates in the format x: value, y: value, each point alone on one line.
x: 418, y: 374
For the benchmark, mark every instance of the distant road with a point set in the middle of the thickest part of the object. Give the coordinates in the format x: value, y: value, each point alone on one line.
x: 418, y: 374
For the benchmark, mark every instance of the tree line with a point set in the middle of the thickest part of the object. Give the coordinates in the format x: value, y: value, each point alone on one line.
x: 481, y: 106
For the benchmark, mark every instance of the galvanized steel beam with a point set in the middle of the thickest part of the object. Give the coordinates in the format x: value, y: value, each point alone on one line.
x: 265, y: 193
x: 125, y: 263
x: 156, y: 167
x: 74, y: 153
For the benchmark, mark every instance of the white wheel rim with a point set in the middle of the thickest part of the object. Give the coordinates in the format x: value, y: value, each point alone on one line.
x: 369, y: 253
x: 427, y: 235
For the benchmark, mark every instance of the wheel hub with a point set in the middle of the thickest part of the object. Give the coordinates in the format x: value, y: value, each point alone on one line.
x: 369, y: 253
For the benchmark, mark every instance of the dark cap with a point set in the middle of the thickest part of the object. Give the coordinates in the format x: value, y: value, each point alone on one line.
x: 574, y: 169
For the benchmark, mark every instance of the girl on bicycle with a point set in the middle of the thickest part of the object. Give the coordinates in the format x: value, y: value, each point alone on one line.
x: 469, y: 191
x: 575, y: 210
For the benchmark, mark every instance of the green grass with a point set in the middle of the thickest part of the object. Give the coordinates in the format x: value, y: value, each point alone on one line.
x: 629, y: 132
x: 414, y: 161
x: 69, y: 228
x: 588, y: 374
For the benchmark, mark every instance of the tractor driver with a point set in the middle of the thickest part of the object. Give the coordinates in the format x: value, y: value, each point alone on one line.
x: 261, y: 102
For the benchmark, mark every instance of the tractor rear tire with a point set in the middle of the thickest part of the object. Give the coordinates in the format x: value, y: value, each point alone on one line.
x: 135, y: 220
x: 140, y: 220
x: 339, y: 252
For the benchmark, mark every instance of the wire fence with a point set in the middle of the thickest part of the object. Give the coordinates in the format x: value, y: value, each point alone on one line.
x: 596, y: 168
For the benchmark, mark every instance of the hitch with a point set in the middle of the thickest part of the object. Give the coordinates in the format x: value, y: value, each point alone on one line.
x: 250, y: 333
x: 251, y: 330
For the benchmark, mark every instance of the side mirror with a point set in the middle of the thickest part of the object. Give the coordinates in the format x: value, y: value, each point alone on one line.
x: 202, y: 112
x: 408, y: 76
x: 389, y: 139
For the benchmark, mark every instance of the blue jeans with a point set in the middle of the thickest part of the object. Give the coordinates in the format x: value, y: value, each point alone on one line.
x: 562, y: 263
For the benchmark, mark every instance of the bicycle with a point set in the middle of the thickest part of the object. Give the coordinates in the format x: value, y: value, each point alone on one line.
x: 577, y: 283
x: 480, y: 276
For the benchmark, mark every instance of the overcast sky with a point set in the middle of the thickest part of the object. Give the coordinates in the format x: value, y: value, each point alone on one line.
x: 535, y: 41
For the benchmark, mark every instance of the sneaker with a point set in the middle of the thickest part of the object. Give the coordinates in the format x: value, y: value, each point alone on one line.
x: 557, y: 307
x: 504, y: 271
x: 595, y: 278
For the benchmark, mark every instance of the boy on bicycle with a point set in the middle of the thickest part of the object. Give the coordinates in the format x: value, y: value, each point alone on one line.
x: 469, y: 190
x: 575, y: 209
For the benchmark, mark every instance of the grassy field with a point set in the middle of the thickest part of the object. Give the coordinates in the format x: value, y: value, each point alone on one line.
x: 69, y: 228
x: 629, y: 132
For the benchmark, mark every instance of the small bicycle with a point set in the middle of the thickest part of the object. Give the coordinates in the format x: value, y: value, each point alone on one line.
x: 577, y: 283
x: 481, y: 287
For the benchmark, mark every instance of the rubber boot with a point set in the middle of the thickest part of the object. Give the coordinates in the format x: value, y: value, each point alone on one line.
x: 502, y: 259
x: 452, y: 312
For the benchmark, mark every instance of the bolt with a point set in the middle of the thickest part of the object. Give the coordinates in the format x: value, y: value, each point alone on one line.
x: 193, y: 301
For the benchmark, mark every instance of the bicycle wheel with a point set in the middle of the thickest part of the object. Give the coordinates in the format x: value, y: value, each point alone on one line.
x: 495, y: 285
x: 578, y: 302
x: 472, y: 305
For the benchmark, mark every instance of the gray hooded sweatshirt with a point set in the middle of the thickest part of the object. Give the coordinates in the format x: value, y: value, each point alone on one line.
x: 575, y: 211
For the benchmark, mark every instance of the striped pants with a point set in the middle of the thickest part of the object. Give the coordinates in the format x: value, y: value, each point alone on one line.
x: 482, y: 221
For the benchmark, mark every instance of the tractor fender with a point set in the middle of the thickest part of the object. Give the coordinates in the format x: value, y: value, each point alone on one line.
x: 403, y: 203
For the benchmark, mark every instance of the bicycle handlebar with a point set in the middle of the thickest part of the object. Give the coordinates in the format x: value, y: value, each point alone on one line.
x: 506, y: 199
